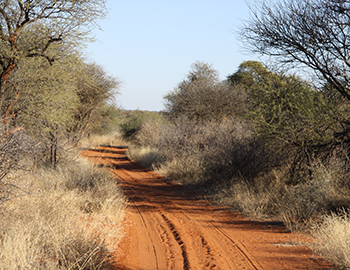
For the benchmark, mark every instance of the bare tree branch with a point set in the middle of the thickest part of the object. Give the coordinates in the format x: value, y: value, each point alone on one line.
x: 314, y: 33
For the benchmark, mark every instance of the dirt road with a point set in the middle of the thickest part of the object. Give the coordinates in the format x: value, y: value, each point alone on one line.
x: 168, y: 227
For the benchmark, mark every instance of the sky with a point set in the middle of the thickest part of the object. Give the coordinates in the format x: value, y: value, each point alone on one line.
x: 151, y: 45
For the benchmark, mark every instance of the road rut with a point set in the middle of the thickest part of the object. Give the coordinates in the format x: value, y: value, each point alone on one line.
x: 168, y: 227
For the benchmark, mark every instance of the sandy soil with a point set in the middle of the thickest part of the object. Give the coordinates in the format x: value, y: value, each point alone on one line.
x: 168, y: 227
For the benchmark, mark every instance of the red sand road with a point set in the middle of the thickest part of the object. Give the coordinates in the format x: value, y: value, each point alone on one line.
x: 168, y: 227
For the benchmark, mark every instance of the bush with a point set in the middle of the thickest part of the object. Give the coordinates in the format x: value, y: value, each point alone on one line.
x: 302, y: 203
x: 15, y: 148
x: 210, y: 153
x: 228, y: 162
x: 134, y: 121
x: 149, y: 157
x: 253, y: 201
x: 132, y: 125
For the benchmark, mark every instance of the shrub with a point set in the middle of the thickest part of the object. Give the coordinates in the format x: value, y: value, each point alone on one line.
x: 15, y: 148
x: 252, y: 201
x: 132, y: 125
x: 210, y: 153
x: 149, y: 157
x: 134, y: 121
x: 302, y: 203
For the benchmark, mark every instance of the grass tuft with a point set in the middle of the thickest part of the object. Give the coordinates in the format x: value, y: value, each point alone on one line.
x: 332, y: 239
x: 147, y: 156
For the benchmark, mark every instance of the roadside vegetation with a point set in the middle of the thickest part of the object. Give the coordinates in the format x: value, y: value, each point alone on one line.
x: 273, y: 153
x: 68, y: 218
x: 57, y: 210
x: 271, y: 140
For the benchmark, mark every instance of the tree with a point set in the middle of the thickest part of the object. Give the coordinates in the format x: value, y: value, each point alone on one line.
x: 314, y: 33
x: 94, y: 89
x: 202, y: 96
x: 48, y: 101
x: 288, y: 113
x: 60, y: 101
x: 29, y: 29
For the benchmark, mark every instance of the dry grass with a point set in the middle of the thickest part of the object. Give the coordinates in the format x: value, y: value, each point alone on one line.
x: 332, y: 239
x: 268, y: 196
x: 70, y: 220
x: 113, y: 139
x: 147, y: 156
x: 245, y: 200
x: 207, y: 153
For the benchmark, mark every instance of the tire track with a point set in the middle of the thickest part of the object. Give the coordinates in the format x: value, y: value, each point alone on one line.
x: 209, y: 258
x: 206, y: 250
x: 172, y: 229
x: 168, y: 246
x: 239, y: 247
x: 210, y: 262
x: 177, y: 237
x: 148, y: 232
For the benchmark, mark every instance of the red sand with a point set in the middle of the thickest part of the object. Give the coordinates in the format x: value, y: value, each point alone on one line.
x: 168, y: 227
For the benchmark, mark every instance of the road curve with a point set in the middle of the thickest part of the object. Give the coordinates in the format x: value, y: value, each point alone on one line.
x: 168, y: 227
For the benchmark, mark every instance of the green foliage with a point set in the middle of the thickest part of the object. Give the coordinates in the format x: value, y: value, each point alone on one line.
x: 313, y: 34
x: 285, y: 108
x: 34, y: 29
x: 132, y: 124
x: 202, y: 96
x: 288, y: 112
x: 65, y: 100
x: 39, y: 65
x: 48, y: 97
x: 47, y: 101
x: 94, y: 89
x: 111, y: 117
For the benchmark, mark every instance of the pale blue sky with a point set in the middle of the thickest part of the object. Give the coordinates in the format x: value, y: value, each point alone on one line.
x: 151, y: 45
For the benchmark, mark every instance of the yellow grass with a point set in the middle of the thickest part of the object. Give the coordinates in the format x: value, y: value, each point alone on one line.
x: 147, y: 156
x: 333, y: 239
x: 70, y: 220
x: 113, y: 139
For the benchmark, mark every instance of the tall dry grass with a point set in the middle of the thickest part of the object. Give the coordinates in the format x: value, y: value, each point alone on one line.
x: 332, y: 239
x: 112, y: 138
x: 70, y: 219
x: 147, y: 156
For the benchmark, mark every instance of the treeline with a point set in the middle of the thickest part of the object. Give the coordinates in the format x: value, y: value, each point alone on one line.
x: 54, y: 205
x: 48, y: 90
